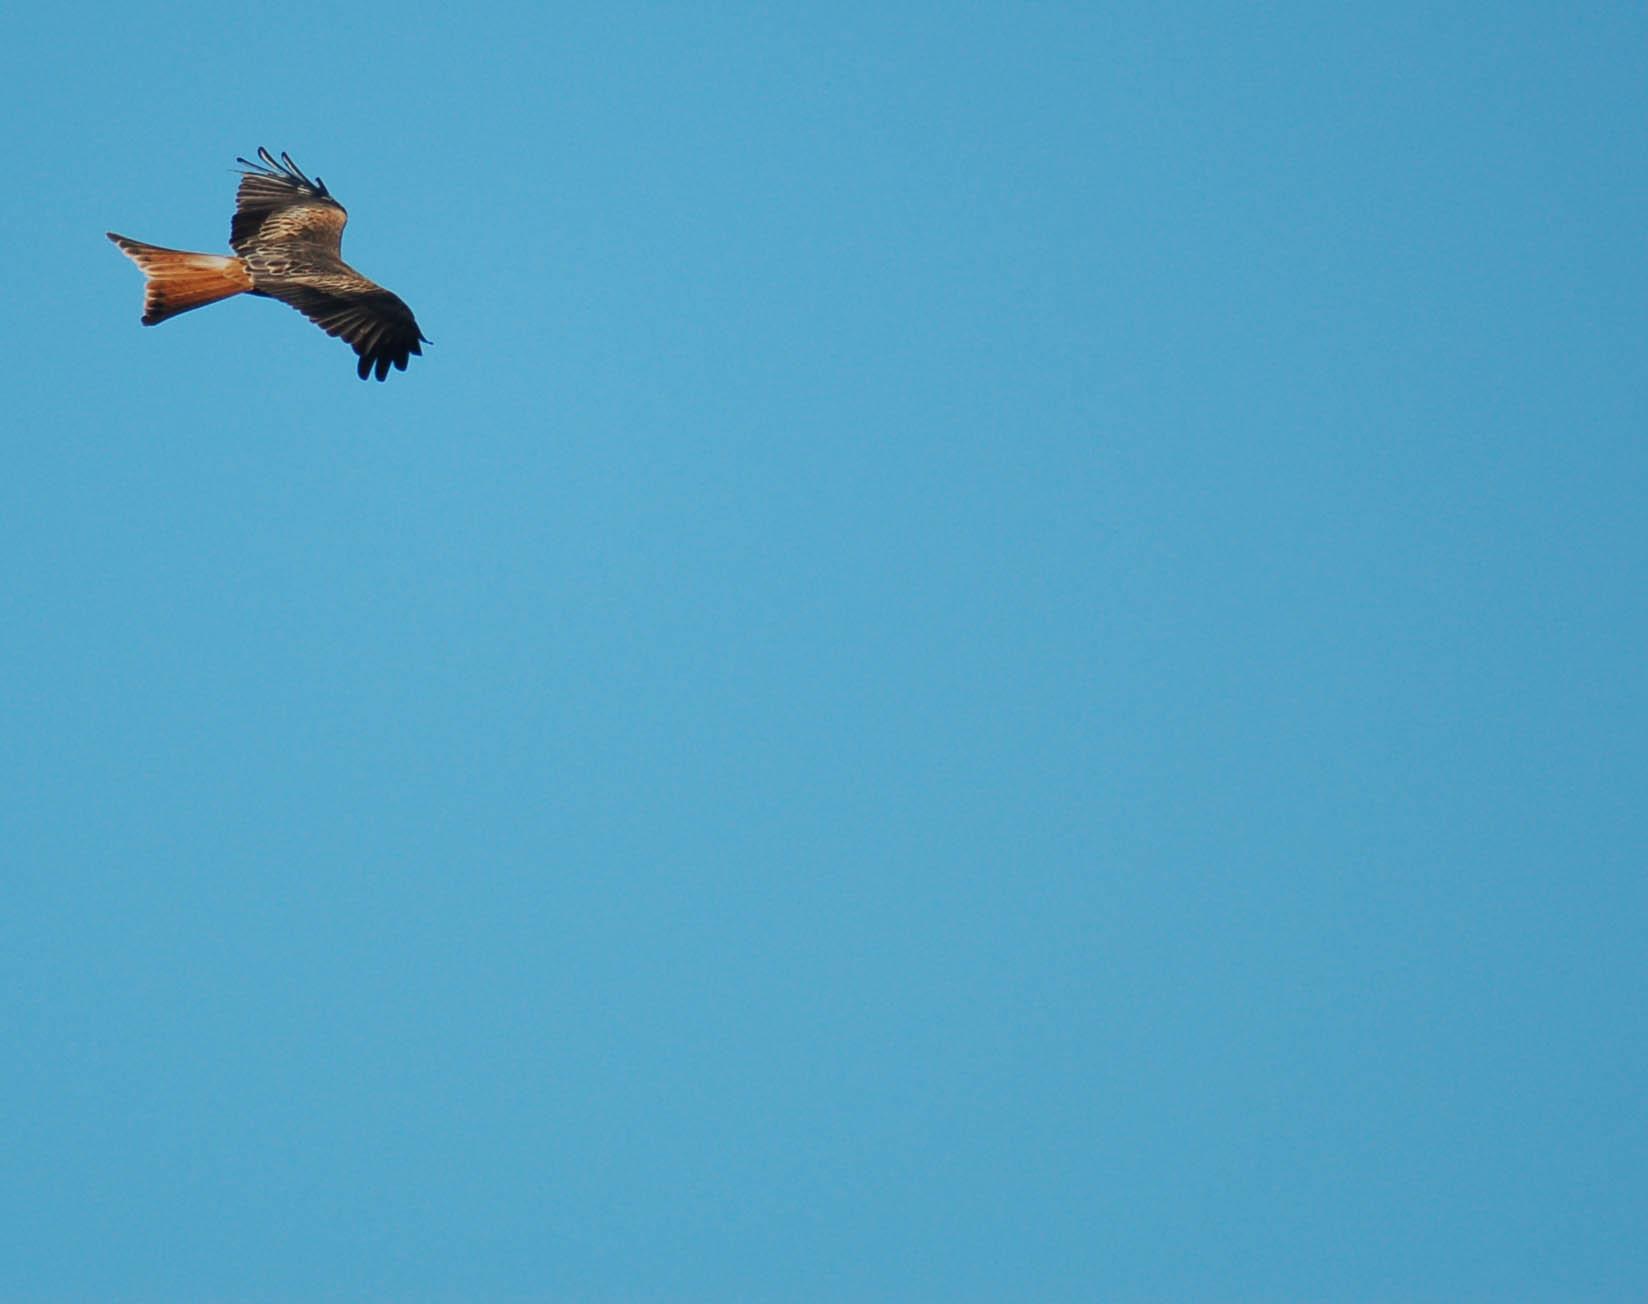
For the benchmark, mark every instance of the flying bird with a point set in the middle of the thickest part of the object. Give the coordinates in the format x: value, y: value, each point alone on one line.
x: 287, y: 235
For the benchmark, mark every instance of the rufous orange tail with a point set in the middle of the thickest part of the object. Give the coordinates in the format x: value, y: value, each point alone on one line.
x: 179, y: 281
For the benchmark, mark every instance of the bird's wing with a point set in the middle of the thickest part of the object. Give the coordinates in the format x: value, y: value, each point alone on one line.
x: 374, y: 322
x: 278, y: 203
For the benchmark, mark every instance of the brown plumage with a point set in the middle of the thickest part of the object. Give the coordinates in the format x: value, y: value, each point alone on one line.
x: 287, y: 234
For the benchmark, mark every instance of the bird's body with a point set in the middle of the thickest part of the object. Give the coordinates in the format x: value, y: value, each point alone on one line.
x: 287, y: 233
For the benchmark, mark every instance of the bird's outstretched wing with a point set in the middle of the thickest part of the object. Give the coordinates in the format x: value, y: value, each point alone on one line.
x: 277, y: 203
x: 374, y: 322
x: 289, y: 229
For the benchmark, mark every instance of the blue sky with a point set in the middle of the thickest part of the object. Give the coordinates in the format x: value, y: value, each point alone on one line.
x: 998, y: 654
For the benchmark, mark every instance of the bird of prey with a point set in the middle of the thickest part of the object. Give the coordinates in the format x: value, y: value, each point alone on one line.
x: 287, y: 234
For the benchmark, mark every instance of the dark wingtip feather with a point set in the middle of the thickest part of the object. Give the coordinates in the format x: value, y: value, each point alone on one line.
x: 294, y: 170
x: 283, y: 169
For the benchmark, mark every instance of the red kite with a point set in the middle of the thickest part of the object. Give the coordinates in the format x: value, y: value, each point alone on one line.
x: 287, y: 233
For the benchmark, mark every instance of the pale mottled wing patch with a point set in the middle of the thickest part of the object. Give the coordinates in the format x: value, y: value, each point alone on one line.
x: 277, y: 203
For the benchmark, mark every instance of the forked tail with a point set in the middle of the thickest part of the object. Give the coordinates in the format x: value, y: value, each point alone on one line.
x: 179, y: 281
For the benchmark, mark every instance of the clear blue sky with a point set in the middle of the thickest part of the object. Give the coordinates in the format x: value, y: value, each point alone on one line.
x: 999, y: 654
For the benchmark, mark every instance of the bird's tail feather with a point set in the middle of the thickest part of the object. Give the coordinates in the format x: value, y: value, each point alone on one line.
x: 179, y: 281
